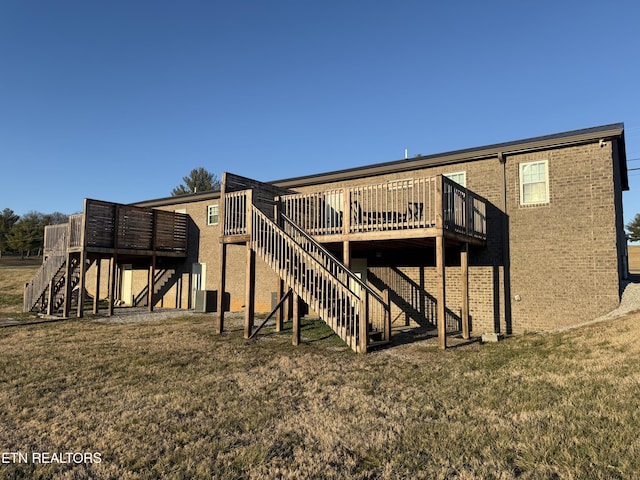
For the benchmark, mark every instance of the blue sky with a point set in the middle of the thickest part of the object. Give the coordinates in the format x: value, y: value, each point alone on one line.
x: 118, y: 100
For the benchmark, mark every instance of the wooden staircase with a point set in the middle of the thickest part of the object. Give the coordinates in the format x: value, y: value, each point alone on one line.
x: 45, y: 293
x: 160, y: 279
x: 358, y: 314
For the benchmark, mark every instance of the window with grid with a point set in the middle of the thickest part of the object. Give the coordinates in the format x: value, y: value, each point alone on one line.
x: 534, y: 183
x: 459, y: 177
x: 212, y: 215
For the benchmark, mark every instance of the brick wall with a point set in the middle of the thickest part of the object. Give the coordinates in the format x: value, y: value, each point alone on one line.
x: 564, y: 258
x: 544, y: 266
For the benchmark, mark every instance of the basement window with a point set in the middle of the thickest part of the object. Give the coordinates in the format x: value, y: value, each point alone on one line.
x: 212, y: 215
x: 534, y: 183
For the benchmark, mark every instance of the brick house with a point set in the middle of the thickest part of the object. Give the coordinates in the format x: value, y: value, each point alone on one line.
x: 514, y: 237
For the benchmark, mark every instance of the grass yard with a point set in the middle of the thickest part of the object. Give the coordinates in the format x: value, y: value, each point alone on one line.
x: 169, y: 399
x: 14, y: 273
x: 634, y: 259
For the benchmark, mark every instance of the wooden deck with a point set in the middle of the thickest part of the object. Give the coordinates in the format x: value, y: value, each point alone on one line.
x: 288, y: 229
x: 106, y: 228
x: 394, y: 210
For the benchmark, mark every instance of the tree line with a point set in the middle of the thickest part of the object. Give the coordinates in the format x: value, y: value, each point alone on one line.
x: 24, y: 235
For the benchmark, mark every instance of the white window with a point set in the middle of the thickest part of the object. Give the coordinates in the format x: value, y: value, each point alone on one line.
x: 459, y: 177
x: 534, y: 183
x: 212, y: 215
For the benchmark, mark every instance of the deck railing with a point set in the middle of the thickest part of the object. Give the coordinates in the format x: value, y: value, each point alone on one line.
x: 105, y: 225
x: 235, y: 213
x: 389, y: 206
x: 55, y: 239
x: 342, y: 300
x: 55, y: 258
x: 463, y: 211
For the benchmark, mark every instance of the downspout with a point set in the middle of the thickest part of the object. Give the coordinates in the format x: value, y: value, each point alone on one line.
x: 506, y: 264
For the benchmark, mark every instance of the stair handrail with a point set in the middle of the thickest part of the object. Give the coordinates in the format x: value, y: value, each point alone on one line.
x: 335, y: 264
x: 34, y: 289
x: 305, y: 274
x: 308, y: 274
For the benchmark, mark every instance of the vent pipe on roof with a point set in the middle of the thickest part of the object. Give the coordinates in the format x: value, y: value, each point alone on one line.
x: 406, y: 153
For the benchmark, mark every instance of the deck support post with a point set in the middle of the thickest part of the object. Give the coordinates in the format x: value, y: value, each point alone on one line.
x: 67, y: 287
x: 221, y: 287
x: 346, y: 253
x: 280, y: 313
x: 112, y: 284
x: 295, y: 341
x: 363, y: 324
x: 387, y: 316
x: 441, y: 292
x: 250, y: 290
x: 96, y: 298
x: 81, y: 281
x: 179, y: 290
x: 50, y: 298
x: 150, y: 282
x: 464, y: 267
x: 223, y: 255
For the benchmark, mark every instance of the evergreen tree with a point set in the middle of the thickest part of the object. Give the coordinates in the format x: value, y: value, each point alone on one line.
x: 634, y: 229
x: 26, y: 234
x: 7, y: 221
x: 199, y: 180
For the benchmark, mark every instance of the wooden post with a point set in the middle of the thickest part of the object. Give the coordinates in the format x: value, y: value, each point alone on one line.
x: 440, y: 272
x: 83, y: 271
x: 114, y: 262
x: 250, y: 289
x: 280, y: 314
x: 464, y: 267
x: 152, y: 267
x: 363, y: 323
x: 346, y: 211
x: 83, y: 263
x: 221, y: 287
x: 295, y: 341
x: 179, y: 290
x: 112, y: 284
x: 346, y: 253
x: 50, y: 298
x: 67, y: 287
x: 150, y: 282
x: 96, y: 299
x: 439, y: 206
x: 387, y: 316
x: 223, y: 255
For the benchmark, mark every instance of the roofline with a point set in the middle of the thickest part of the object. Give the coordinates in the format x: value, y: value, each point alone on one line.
x: 179, y: 199
x: 573, y: 137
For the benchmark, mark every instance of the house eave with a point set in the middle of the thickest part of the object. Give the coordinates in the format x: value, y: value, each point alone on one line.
x: 575, y: 137
x: 613, y: 131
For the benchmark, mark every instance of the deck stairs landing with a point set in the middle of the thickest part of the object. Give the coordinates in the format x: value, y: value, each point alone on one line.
x: 358, y: 314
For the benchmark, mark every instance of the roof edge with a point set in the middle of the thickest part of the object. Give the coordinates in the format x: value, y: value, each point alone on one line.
x: 477, y: 153
x: 572, y: 137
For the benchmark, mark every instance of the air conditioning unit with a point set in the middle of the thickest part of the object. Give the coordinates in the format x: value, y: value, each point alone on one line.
x: 206, y: 301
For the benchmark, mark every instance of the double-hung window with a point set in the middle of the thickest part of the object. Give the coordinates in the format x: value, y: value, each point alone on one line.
x: 212, y: 215
x: 534, y: 183
x: 459, y: 177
